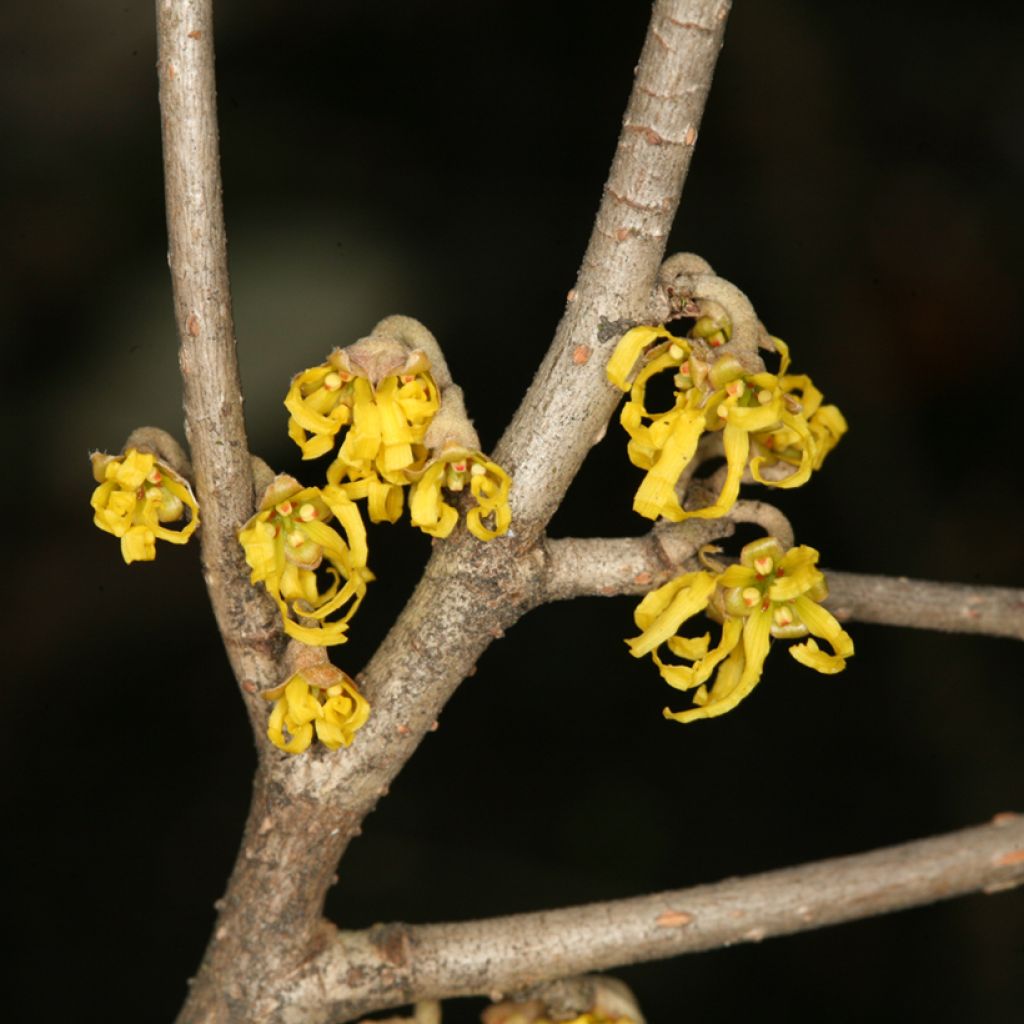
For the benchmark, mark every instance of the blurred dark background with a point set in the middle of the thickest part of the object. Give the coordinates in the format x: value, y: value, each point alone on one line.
x: 858, y: 173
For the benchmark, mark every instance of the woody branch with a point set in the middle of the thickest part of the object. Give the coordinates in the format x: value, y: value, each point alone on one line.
x: 634, y: 565
x: 504, y: 954
x: 306, y: 810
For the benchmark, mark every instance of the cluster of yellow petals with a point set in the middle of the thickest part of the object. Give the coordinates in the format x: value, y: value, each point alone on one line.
x: 450, y: 470
x: 289, y: 540
x: 385, y: 427
x: 336, y: 713
x: 768, y: 594
x: 136, y: 496
x: 772, y: 424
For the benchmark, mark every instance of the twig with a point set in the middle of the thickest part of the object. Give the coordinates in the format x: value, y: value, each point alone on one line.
x: 588, y: 567
x: 488, y: 957
x: 921, y: 604
x: 305, y: 810
x: 635, y: 565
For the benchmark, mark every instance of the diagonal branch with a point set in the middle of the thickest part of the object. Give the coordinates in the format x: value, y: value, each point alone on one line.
x: 305, y: 810
x: 362, y: 971
x: 605, y: 567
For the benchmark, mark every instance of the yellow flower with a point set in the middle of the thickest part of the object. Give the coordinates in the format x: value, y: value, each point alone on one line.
x: 137, y: 494
x: 288, y: 541
x: 767, y: 594
x: 385, y: 418
x: 791, y: 445
x: 450, y: 470
x: 777, y: 416
x: 336, y: 711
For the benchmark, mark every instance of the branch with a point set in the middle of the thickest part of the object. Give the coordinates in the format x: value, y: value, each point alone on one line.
x: 305, y: 810
x: 362, y: 971
x: 636, y: 565
x: 921, y: 604
x: 202, y: 305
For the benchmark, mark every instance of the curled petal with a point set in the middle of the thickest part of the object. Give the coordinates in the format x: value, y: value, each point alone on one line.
x: 737, y: 677
x: 660, y: 614
x: 300, y: 736
x: 821, y: 623
x: 426, y: 508
x: 656, y: 495
x: 628, y: 351
x: 344, y: 713
x: 685, y: 678
x: 737, y: 447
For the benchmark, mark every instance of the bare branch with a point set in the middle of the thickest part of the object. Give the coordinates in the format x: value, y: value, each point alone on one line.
x: 588, y: 567
x: 361, y: 971
x: 921, y: 604
x: 635, y: 565
x: 202, y: 304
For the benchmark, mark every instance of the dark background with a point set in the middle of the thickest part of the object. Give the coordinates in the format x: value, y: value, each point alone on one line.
x: 858, y: 174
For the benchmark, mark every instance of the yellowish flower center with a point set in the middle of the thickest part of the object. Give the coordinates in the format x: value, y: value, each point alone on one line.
x: 751, y: 596
x: 295, y: 539
x: 284, y: 509
x: 155, y: 476
x: 332, y: 382
x: 763, y: 565
x: 764, y: 396
x: 477, y: 470
x: 675, y: 351
x: 735, y: 388
x: 307, y: 513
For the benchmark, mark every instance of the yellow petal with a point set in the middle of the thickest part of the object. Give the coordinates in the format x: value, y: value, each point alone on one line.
x: 657, y: 492
x: 739, y: 675
x: 627, y: 352
x: 664, y: 610
x: 138, y: 545
x: 302, y: 706
x: 301, y: 736
x: 822, y: 623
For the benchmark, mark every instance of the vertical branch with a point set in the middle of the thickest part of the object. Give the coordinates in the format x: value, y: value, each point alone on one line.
x: 202, y: 303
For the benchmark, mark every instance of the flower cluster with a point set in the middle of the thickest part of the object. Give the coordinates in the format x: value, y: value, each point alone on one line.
x: 451, y: 469
x: 136, y: 496
x: 386, y: 419
x: 384, y: 397
x: 768, y: 594
x: 288, y: 542
x: 773, y: 425
x: 322, y: 698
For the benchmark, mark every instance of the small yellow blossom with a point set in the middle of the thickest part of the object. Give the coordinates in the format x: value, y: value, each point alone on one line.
x: 137, y: 494
x: 451, y: 469
x: 767, y: 594
x: 768, y: 421
x: 336, y: 711
x: 288, y: 541
x: 385, y: 418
